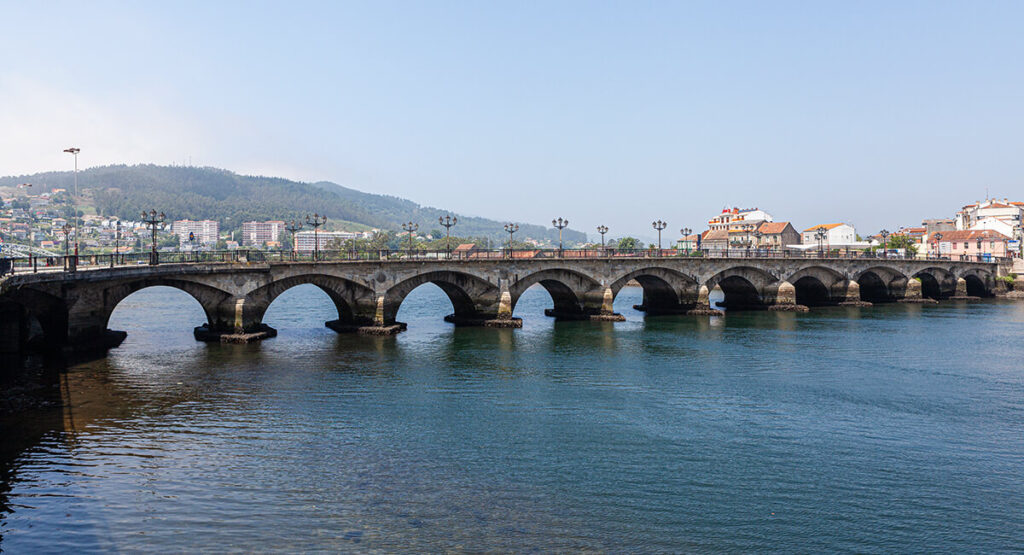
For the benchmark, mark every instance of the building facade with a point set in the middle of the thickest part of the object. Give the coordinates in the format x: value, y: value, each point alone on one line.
x: 205, y: 232
x: 739, y: 219
x: 971, y: 242
x: 776, y: 235
x: 835, y: 234
x: 305, y: 241
x: 257, y: 234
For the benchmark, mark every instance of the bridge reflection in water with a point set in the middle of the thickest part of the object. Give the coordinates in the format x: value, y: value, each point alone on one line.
x: 69, y: 310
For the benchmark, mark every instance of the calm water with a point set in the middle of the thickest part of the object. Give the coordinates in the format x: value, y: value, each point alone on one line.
x: 896, y: 428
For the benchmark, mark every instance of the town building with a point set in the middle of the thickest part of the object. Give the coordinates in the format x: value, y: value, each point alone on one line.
x: 971, y: 242
x: 715, y: 240
x: 257, y: 234
x: 836, y: 235
x: 776, y: 235
x: 689, y: 243
x: 305, y: 241
x: 1002, y: 216
x: 205, y: 232
x: 739, y: 218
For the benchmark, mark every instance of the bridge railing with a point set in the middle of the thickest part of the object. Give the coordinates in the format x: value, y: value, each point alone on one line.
x: 71, y: 263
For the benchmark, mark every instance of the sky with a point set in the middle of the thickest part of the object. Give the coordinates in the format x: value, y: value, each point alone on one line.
x: 879, y: 114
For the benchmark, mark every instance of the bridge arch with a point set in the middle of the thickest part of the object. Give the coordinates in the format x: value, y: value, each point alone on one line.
x: 936, y: 283
x: 664, y: 289
x: 207, y: 296
x: 743, y: 286
x: 29, y: 315
x: 881, y: 284
x: 353, y: 301
x: 471, y: 296
x: 570, y: 291
x: 817, y: 285
x: 980, y: 283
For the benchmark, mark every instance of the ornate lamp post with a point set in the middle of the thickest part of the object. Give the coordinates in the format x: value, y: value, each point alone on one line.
x: 448, y: 222
x: 560, y: 224
x: 293, y: 227
x: 510, y: 229
x: 938, y: 243
x: 885, y: 245
x: 74, y: 205
x: 316, y: 221
x: 117, y: 243
x: 685, y: 232
x: 758, y: 235
x: 659, y: 225
x: 410, y: 228
x: 66, y: 229
x: 152, y: 219
x: 820, y: 235
x: 602, y: 229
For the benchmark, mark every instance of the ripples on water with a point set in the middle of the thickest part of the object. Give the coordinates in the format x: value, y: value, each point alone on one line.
x: 896, y: 428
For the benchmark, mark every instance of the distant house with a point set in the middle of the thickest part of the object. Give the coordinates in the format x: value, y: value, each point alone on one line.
x: 688, y: 242
x: 464, y: 250
x: 835, y: 234
x: 776, y: 235
x: 715, y: 240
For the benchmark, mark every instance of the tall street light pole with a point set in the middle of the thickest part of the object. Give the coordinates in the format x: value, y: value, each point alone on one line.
x: 885, y: 245
x: 152, y: 219
x: 820, y: 235
x: 316, y: 221
x: 938, y: 244
x: 293, y: 227
x: 117, y: 242
x: 602, y: 229
x: 685, y: 232
x: 410, y: 228
x: 560, y: 224
x: 66, y: 229
x: 74, y: 205
x: 448, y: 222
x: 510, y: 229
x: 659, y: 225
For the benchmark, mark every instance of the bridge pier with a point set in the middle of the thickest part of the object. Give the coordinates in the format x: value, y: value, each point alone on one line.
x: 912, y: 293
x: 784, y: 295
x: 849, y: 294
x: 961, y: 291
x: 235, y: 320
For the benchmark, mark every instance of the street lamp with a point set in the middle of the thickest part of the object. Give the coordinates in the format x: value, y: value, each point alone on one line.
x: 758, y: 234
x: 560, y: 224
x: 659, y: 225
x: 66, y: 229
x: 510, y: 229
x: 316, y: 221
x: 885, y: 245
x: 410, y: 228
x: 448, y: 222
x: 938, y: 243
x: 602, y: 229
x: 74, y: 203
x: 685, y: 232
x: 820, y: 235
x: 293, y: 227
x: 117, y: 242
x: 152, y: 219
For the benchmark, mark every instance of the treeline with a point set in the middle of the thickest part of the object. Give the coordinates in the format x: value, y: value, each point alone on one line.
x: 210, y: 193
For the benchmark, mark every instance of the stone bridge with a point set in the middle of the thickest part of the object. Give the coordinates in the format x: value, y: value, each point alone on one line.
x: 70, y: 311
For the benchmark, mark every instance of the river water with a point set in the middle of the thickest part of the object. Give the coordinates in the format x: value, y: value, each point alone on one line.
x: 897, y: 428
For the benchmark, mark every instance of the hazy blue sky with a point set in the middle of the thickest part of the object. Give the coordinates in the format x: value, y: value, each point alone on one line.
x: 879, y: 114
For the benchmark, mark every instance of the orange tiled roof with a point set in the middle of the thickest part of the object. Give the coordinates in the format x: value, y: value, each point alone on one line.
x: 826, y: 226
x: 773, y: 228
x: 971, y: 235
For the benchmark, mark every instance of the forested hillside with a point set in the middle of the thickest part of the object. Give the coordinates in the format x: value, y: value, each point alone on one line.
x: 216, y: 194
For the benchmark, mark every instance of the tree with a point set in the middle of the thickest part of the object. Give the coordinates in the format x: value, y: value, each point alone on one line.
x: 628, y: 243
x: 902, y: 242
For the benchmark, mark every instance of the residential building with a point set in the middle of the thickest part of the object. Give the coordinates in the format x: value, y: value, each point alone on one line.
x: 305, y: 241
x: 205, y: 232
x: 776, y: 235
x: 1003, y: 216
x: 257, y: 234
x: 715, y: 240
x: 689, y: 242
x: 971, y: 242
x: 739, y: 218
x: 838, y: 235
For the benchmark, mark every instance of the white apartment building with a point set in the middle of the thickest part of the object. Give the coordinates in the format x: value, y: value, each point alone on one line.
x: 206, y: 232
x: 257, y: 234
x: 305, y: 240
x: 733, y: 219
x: 1002, y: 216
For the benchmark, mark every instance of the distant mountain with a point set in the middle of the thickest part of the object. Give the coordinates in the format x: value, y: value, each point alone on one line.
x: 211, y: 193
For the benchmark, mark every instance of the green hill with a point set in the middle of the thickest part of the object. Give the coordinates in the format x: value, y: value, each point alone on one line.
x: 216, y: 194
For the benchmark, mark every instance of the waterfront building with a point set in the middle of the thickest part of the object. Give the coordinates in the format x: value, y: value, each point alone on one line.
x: 1004, y: 217
x: 715, y: 240
x: 257, y: 234
x: 206, y: 232
x: 689, y: 242
x: 972, y: 242
x: 775, y: 235
x: 739, y: 218
x: 305, y: 240
x: 837, y: 235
